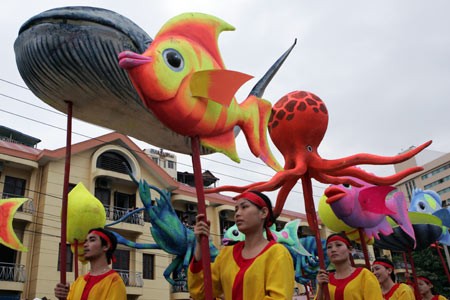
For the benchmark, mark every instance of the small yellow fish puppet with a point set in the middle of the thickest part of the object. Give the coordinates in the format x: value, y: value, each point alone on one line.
x: 182, y: 79
x: 84, y: 212
x: 8, y: 208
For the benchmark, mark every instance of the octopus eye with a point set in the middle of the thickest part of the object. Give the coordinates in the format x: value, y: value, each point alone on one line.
x: 309, y: 148
x: 173, y: 59
x: 235, y: 232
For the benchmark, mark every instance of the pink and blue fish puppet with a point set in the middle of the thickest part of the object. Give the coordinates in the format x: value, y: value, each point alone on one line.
x: 368, y: 206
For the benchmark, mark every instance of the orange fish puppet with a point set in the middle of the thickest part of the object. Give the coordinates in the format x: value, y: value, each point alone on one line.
x: 8, y: 208
x: 182, y: 79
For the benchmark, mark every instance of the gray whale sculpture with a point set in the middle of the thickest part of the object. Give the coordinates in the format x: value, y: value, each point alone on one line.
x: 70, y: 54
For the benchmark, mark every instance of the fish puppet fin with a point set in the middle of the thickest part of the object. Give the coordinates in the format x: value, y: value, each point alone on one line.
x: 255, y: 129
x: 444, y: 215
x: 373, y: 199
x: 398, y: 204
x: 8, y: 237
x: 200, y: 28
x: 217, y: 85
x: 223, y: 143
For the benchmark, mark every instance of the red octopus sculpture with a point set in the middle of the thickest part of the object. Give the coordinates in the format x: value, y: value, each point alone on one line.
x: 297, y: 125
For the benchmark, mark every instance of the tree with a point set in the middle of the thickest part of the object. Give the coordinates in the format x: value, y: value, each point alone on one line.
x: 428, y: 263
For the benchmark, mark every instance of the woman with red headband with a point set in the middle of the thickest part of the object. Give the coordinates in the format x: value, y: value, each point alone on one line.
x: 101, y: 283
x: 257, y: 268
x: 347, y: 282
x: 383, y: 269
x: 426, y: 290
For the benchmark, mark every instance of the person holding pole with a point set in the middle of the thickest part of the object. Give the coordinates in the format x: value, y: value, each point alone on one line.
x: 257, y: 268
x: 101, y: 283
x: 383, y: 269
x: 347, y: 282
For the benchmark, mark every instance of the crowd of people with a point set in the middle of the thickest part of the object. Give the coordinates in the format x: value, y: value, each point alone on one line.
x: 256, y: 268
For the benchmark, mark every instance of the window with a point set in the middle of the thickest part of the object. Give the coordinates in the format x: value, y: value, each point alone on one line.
x: 113, y: 161
x: 148, y: 266
x: 122, y: 200
x: 14, y: 187
x: 69, y: 258
x: 156, y: 160
x: 170, y: 164
x: 122, y: 264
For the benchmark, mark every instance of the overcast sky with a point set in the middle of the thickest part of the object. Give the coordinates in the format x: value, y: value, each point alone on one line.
x: 382, y: 68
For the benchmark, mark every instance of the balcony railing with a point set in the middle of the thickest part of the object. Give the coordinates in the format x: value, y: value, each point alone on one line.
x: 12, y: 272
x: 180, y: 286
x: 132, y: 279
x: 114, y: 213
x: 27, y: 207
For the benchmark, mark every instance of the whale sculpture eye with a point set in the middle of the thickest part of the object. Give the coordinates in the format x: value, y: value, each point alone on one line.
x: 173, y: 60
x: 235, y: 232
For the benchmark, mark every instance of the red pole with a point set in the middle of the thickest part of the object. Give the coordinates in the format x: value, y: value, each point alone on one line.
x: 443, y: 262
x: 405, y: 261
x: 413, y: 271
x: 364, y: 247
x: 313, y: 224
x: 75, y: 259
x: 206, y: 257
x: 63, y: 247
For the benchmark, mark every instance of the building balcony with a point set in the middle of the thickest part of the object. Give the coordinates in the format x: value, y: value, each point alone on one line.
x: 133, y: 281
x: 133, y: 223
x: 12, y: 276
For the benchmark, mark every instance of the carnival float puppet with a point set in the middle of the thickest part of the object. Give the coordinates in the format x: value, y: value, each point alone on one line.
x: 8, y: 208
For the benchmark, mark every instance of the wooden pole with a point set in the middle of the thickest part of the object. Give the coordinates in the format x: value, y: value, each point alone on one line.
x: 364, y: 247
x: 443, y: 261
x: 204, y: 242
x: 313, y: 224
x: 63, y: 247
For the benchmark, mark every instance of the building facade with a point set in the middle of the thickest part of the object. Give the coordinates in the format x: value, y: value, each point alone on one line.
x: 102, y: 165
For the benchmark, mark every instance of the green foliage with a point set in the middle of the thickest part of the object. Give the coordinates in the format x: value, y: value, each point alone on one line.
x: 429, y: 264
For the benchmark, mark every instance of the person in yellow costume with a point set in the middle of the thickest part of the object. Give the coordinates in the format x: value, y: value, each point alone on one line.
x: 347, y: 282
x: 101, y: 283
x: 257, y: 268
x: 426, y: 290
x: 383, y: 269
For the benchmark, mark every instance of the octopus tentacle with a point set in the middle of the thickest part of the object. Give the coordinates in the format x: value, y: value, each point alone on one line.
x: 328, y: 179
x: 233, y: 188
x: 365, y: 159
x: 282, y: 196
x: 376, y: 180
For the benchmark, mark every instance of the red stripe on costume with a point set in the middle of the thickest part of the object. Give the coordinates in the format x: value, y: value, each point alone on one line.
x: 91, y: 281
x: 391, y: 291
x: 341, y: 284
x: 244, y: 264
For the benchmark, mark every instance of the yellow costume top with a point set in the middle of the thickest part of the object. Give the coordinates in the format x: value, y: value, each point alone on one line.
x: 108, y: 286
x: 400, y: 291
x: 269, y: 275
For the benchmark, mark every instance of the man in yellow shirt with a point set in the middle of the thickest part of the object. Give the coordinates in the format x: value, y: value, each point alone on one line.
x: 101, y: 282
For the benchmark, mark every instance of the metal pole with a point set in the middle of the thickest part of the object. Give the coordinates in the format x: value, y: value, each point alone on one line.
x: 63, y: 247
x: 442, y: 261
x: 204, y: 242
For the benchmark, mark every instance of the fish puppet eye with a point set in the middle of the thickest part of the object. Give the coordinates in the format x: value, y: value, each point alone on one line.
x: 347, y: 186
x: 173, y: 59
x: 235, y: 232
x: 421, y: 205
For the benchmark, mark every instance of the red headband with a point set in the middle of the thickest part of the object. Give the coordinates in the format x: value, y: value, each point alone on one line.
x: 107, y: 239
x: 258, y: 201
x: 425, y: 279
x: 102, y: 235
x: 381, y: 263
x: 338, y: 238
